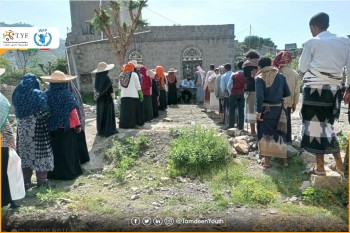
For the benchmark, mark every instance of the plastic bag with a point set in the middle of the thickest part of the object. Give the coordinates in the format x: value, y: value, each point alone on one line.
x: 15, y: 175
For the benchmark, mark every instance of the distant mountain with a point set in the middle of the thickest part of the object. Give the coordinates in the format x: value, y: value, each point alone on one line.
x: 40, y: 56
x: 20, y: 24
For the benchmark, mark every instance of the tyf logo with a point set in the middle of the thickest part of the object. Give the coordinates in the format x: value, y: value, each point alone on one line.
x: 42, y: 37
x: 9, y: 35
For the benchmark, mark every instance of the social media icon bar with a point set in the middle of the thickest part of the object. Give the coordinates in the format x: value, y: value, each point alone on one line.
x: 135, y: 221
x: 146, y: 221
x: 157, y: 221
x: 169, y: 221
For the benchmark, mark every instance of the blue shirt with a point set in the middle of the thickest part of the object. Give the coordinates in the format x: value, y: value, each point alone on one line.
x: 224, y: 80
x: 273, y: 94
x: 186, y: 83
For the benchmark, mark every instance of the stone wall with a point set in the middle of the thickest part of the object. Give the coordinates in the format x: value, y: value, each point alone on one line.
x: 163, y: 45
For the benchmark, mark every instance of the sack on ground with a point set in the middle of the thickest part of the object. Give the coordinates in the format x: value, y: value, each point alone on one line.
x: 15, y: 175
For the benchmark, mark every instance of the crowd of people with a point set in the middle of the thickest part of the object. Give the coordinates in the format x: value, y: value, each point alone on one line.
x: 50, y: 136
x: 262, y: 92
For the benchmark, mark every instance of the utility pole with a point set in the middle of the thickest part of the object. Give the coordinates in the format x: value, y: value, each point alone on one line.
x: 250, y: 34
x: 100, y: 11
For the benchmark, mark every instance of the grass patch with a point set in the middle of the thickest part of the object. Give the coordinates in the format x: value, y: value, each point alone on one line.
x: 254, y: 192
x: 230, y: 175
x: 245, y: 189
x: 96, y: 205
x: 180, y: 200
x: 331, y: 201
x: 122, y: 155
x: 196, y: 151
x: 288, y: 180
x: 320, y: 197
x: 332, y: 212
x: 49, y: 196
x: 221, y: 202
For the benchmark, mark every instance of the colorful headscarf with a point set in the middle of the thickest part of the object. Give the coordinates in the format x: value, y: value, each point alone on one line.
x: 160, y: 76
x: 283, y: 58
x: 128, y: 67
x: 27, y: 97
x: 61, y: 101
x: 124, y: 77
x: 4, y: 110
x: 143, y: 71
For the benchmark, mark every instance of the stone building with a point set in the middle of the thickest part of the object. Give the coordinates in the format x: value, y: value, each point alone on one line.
x: 179, y: 47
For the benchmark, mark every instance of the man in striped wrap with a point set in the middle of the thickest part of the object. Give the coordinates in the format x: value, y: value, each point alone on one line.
x: 322, y: 62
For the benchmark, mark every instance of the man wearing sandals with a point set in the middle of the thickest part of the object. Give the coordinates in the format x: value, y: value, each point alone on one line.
x: 322, y: 62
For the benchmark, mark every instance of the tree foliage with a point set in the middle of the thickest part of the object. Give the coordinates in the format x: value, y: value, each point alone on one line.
x: 4, y: 63
x: 256, y: 42
x: 295, y: 62
x: 125, y: 32
x: 60, y: 64
x: 23, y: 57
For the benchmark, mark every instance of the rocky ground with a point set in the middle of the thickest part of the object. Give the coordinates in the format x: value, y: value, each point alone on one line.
x: 95, y: 202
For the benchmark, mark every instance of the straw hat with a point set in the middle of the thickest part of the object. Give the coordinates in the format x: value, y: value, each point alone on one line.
x: 103, y: 66
x: 2, y: 70
x: 150, y: 73
x: 172, y: 70
x: 58, y: 77
x: 134, y: 62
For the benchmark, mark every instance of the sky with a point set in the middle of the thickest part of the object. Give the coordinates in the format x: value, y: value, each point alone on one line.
x: 284, y: 21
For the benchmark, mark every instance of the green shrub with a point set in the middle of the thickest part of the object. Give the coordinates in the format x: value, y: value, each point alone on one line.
x: 11, y: 78
x: 88, y: 97
x: 251, y: 191
x: 197, y: 151
x: 320, y: 197
x: 122, y: 154
x: 343, y: 141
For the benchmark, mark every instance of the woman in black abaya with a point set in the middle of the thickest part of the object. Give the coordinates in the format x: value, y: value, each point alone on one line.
x: 104, y: 94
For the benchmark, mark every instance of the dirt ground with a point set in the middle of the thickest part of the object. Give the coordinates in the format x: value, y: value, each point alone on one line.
x: 94, y: 202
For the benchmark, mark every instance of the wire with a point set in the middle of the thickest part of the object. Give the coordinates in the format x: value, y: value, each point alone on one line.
x: 162, y: 16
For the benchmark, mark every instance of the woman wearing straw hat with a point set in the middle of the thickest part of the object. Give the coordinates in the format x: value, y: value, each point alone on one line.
x: 104, y: 96
x: 131, y: 95
x: 63, y: 124
x: 172, y: 92
x: 33, y: 140
x: 7, y: 142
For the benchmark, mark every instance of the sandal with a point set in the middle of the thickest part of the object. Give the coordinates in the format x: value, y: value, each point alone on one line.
x: 314, y: 171
x: 333, y: 167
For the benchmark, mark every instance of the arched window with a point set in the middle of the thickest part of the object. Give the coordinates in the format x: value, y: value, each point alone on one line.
x: 135, y: 55
x: 192, y: 54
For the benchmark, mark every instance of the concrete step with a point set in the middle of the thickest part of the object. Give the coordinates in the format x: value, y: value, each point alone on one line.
x: 332, y: 180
